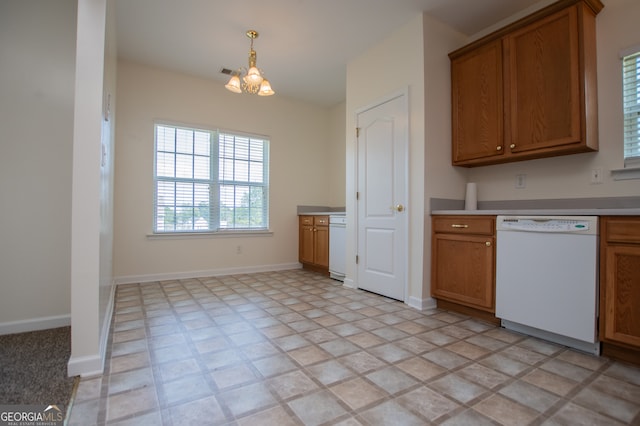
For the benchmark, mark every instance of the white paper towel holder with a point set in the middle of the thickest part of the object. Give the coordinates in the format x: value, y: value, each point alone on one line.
x: 471, y: 197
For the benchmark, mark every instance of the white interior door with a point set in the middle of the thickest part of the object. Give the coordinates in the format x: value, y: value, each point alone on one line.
x: 382, y: 145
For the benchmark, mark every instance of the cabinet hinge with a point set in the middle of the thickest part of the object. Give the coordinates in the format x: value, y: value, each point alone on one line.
x: 357, y: 259
x: 357, y: 132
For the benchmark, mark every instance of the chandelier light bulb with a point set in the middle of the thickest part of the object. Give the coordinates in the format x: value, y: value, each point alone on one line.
x: 265, y: 88
x: 234, y: 84
x: 253, y: 76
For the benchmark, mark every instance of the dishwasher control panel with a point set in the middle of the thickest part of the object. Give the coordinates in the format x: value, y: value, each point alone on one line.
x: 585, y: 225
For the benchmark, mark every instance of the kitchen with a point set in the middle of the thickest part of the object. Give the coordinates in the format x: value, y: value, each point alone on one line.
x: 417, y: 51
x: 309, y: 160
x: 476, y: 290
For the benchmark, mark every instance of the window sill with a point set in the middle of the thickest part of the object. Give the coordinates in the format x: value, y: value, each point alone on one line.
x: 217, y: 234
x: 629, y: 173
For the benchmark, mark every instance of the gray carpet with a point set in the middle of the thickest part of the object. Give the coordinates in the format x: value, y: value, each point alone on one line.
x: 33, y: 367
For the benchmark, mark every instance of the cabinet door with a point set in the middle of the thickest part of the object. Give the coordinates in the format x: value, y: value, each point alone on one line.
x: 543, y: 84
x: 477, y: 104
x: 463, y: 270
x: 622, y: 294
x: 321, y: 246
x: 306, y: 249
x: 484, y: 225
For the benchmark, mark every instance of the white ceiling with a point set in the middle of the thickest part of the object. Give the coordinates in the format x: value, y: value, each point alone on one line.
x: 304, y: 45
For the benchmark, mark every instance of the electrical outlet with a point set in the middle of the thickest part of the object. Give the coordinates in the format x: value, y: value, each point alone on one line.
x: 238, y: 249
x: 596, y: 175
x: 521, y: 181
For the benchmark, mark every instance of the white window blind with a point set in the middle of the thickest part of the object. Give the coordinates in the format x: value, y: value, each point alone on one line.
x: 631, y: 105
x: 208, y: 181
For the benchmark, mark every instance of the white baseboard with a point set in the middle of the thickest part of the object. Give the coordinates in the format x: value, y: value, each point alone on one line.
x: 422, y: 304
x: 348, y: 282
x: 85, y: 366
x: 93, y: 365
x: 132, y: 279
x: 34, y: 324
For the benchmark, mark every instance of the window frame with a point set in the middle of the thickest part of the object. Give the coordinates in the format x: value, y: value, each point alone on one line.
x: 631, y: 165
x: 631, y: 85
x: 215, y: 181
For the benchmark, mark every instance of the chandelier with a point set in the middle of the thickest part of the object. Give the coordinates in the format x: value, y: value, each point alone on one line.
x: 250, y: 80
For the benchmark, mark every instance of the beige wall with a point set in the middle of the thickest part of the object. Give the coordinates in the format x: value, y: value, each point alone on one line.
x: 405, y: 60
x: 440, y: 177
x: 336, y: 162
x: 569, y: 176
x: 300, y: 153
x: 37, y: 59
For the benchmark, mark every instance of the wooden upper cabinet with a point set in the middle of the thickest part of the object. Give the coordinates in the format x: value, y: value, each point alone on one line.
x: 529, y: 90
x: 477, y: 103
x: 543, y: 80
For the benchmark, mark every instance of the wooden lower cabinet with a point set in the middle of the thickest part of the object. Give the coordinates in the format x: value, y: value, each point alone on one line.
x: 620, y: 287
x: 313, y: 249
x: 463, y: 264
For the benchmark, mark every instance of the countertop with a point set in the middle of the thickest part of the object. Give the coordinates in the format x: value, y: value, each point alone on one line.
x: 322, y: 214
x: 543, y: 212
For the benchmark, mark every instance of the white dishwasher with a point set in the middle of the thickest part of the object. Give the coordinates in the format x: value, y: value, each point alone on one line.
x: 547, y: 278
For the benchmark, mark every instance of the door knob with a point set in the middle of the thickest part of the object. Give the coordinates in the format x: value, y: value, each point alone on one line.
x: 399, y: 208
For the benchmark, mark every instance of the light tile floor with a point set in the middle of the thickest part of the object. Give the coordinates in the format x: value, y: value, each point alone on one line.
x: 294, y: 347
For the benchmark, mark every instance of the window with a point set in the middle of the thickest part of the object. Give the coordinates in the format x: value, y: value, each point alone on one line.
x: 209, y: 181
x: 631, y: 105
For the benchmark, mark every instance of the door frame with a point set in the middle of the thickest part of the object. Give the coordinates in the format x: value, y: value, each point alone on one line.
x: 404, y: 95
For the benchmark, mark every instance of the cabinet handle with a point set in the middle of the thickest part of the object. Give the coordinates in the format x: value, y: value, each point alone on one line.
x: 513, y: 145
x: 454, y: 225
x: 498, y: 148
x: 488, y: 244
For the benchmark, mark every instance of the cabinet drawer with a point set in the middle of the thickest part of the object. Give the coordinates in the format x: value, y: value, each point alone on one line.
x: 484, y: 225
x: 306, y: 220
x: 321, y: 220
x: 622, y: 229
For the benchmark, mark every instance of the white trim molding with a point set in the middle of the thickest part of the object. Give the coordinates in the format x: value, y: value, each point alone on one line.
x: 349, y: 283
x: 422, y: 304
x: 106, y: 323
x: 145, y: 278
x: 85, y: 366
x: 629, y: 51
x: 34, y: 324
x: 93, y: 365
x: 626, y: 174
